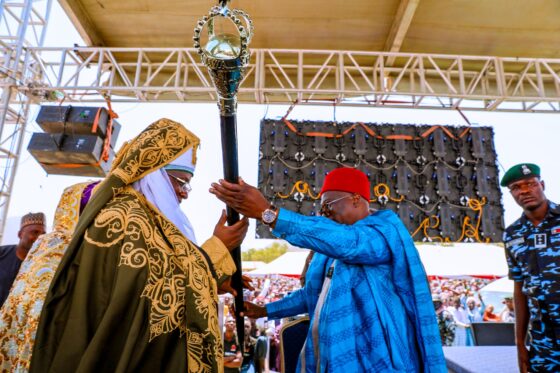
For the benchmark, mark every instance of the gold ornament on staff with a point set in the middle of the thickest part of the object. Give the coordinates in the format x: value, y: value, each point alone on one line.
x: 225, y: 55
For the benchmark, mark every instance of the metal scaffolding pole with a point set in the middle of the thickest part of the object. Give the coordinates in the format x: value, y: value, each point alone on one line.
x: 23, y: 24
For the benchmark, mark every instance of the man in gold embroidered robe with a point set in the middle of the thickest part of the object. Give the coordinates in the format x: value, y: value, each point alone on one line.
x: 133, y: 293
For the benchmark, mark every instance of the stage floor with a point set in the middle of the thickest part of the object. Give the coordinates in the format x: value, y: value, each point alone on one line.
x: 481, y: 359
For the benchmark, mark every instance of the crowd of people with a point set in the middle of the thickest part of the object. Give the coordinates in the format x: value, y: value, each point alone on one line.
x: 458, y: 304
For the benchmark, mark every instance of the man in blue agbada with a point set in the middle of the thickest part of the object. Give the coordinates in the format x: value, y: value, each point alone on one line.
x: 365, y: 291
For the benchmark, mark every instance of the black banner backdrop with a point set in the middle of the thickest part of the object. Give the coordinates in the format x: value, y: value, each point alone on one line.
x: 442, y: 181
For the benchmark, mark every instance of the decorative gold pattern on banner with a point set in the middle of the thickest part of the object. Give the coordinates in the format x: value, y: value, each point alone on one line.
x: 302, y: 188
x: 472, y: 231
x: 381, y: 191
x: 469, y: 230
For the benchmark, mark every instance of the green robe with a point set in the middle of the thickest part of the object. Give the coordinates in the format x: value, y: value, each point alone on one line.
x: 132, y: 294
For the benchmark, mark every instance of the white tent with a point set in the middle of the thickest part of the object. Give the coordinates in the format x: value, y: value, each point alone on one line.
x: 440, y: 260
x: 463, y: 259
x: 290, y: 264
x: 495, y: 292
x: 249, y: 265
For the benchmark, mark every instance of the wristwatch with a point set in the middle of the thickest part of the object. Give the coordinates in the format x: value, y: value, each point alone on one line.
x: 269, y: 215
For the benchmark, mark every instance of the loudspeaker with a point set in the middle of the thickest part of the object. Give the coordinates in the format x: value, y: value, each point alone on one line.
x: 74, y: 141
x: 70, y: 155
x: 77, y: 120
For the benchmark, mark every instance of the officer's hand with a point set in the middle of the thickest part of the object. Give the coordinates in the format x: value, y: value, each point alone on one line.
x: 231, y: 236
x: 254, y: 311
x: 244, y: 198
x: 523, y: 359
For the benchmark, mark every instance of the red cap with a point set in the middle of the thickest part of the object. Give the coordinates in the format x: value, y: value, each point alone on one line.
x: 348, y: 180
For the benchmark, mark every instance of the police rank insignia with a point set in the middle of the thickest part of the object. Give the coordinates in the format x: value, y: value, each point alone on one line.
x: 540, y: 240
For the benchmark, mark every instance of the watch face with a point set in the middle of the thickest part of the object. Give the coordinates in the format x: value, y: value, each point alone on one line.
x: 268, y: 216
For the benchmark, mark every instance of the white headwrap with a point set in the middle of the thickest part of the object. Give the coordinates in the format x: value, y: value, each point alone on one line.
x: 158, y: 190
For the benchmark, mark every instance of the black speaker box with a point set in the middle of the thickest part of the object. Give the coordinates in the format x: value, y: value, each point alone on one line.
x: 76, y: 120
x: 75, y: 155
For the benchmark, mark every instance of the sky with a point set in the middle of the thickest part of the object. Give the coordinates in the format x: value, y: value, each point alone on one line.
x: 519, y: 137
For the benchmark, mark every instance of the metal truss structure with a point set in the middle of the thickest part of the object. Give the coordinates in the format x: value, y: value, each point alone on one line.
x: 23, y: 25
x: 33, y: 74
x: 382, y: 79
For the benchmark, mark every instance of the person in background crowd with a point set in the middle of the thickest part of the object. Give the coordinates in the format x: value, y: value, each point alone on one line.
x: 233, y: 357
x: 508, y: 312
x: 365, y: 282
x: 445, y: 322
x: 273, y: 348
x: 461, y: 321
x: 20, y: 313
x: 261, y: 351
x: 532, y: 246
x: 474, y: 314
x: 248, y: 365
x: 11, y: 256
x: 490, y: 316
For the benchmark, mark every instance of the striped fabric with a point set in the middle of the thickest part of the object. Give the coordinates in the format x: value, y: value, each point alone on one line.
x: 378, y: 314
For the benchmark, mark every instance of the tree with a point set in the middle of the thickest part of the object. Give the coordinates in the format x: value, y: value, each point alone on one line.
x: 267, y: 255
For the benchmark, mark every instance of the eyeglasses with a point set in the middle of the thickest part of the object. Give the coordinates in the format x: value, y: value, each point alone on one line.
x: 327, y: 207
x: 184, y: 185
x: 522, y: 186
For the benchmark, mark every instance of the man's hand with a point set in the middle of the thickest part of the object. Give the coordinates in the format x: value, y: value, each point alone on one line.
x: 244, y: 198
x: 253, y: 311
x: 226, y: 287
x: 231, y: 236
x: 523, y: 359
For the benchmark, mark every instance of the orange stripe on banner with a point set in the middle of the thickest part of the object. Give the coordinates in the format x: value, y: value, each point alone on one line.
x: 372, y: 132
x: 290, y: 126
x: 447, y: 132
x: 467, y: 130
x: 320, y: 134
x: 399, y: 137
x: 368, y: 130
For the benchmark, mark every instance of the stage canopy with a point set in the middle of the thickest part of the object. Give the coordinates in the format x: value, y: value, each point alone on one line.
x: 440, y: 261
x: 491, y: 28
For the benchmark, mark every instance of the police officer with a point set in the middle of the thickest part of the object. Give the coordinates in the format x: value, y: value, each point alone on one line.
x: 532, y: 245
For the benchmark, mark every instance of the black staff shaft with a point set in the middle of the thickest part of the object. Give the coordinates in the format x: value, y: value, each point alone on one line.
x: 228, y: 126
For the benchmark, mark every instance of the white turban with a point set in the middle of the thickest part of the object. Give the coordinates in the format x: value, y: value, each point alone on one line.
x: 158, y: 190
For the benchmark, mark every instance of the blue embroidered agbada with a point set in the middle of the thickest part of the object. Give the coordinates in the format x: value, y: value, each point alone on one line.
x: 378, y: 314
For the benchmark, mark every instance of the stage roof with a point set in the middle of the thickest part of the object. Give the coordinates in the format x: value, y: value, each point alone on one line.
x: 463, y: 27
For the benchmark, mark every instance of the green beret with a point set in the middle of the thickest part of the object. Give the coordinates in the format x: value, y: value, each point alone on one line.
x: 519, y: 172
